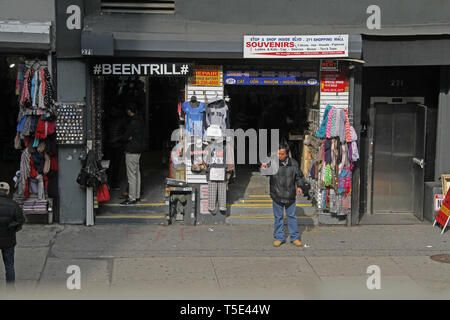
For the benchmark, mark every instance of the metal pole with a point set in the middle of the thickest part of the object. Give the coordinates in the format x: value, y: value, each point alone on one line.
x: 89, y: 197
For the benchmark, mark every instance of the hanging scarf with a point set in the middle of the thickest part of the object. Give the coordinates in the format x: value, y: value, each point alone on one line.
x: 348, y: 134
x: 25, y: 97
x: 323, y: 126
x: 329, y: 122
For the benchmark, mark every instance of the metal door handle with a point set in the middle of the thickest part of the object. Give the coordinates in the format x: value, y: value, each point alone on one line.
x: 419, y: 162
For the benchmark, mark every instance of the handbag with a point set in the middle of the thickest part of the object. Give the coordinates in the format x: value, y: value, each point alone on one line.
x: 103, y: 193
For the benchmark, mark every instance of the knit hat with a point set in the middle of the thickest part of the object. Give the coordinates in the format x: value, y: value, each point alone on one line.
x: 4, y: 186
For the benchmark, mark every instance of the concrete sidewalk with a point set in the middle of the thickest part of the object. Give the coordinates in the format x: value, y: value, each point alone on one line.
x: 230, y: 262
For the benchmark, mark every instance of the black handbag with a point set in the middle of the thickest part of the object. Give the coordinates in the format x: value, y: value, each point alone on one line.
x: 82, y: 178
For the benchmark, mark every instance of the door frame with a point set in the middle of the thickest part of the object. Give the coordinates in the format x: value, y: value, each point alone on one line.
x: 371, y: 138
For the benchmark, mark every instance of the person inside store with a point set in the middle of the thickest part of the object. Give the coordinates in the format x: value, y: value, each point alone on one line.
x: 11, y: 221
x: 115, y: 148
x: 285, y: 185
x: 134, y: 146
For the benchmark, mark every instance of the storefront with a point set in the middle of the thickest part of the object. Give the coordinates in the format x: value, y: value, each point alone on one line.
x: 28, y: 151
x: 252, y: 75
x: 291, y: 96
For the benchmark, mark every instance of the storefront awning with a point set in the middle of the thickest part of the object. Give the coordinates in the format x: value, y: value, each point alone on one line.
x: 176, y: 45
x: 17, y: 35
x: 406, y: 50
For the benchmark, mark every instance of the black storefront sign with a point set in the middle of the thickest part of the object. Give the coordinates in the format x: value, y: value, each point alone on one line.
x: 142, y: 69
x: 69, y: 23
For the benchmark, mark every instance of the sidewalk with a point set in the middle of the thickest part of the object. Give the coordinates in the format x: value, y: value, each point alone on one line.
x: 230, y: 262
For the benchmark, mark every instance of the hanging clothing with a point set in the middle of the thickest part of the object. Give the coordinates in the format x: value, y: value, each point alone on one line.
x: 348, y: 134
x: 330, y: 122
x: 216, y: 113
x: 48, y: 93
x: 194, y: 117
x: 354, y: 146
x: 19, y: 80
x: 217, y: 192
x: 321, y: 133
x: 215, y: 159
x: 24, y: 171
x: 25, y: 97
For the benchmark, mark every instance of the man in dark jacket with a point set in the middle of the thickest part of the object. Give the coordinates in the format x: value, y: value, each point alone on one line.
x: 285, y: 185
x: 134, y: 138
x: 11, y: 221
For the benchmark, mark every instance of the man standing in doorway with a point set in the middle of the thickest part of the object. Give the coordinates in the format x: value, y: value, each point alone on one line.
x: 11, y: 221
x: 284, y: 186
x: 134, y: 138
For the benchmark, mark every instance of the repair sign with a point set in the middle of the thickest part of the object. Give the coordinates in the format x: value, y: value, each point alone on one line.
x: 303, y: 46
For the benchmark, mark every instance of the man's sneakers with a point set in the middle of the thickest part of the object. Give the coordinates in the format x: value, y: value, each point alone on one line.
x: 128, y: 202
x: 277, y: 243
x: 297, y: 243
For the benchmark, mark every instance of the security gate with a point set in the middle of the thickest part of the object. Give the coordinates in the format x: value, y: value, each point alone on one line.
x: 396, y: 157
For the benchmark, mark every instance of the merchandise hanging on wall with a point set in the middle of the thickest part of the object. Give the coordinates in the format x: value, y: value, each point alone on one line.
x: 70, y: 124
x: 331, y: 169
x: 36, y: 178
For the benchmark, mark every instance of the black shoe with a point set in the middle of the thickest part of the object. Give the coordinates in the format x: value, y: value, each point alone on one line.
x: 128, y: 202
x: 138, y: 199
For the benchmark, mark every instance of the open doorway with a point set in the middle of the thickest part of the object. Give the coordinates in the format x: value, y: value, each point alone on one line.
x: 267, y: 107
x: 9, y: 108
x: 156, y: 99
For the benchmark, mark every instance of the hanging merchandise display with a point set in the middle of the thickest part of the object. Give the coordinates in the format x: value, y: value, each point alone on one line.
x: 36, y: 180
x: 332, y: 168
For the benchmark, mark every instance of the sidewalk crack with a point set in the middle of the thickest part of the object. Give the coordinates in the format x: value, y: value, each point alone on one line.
x: 215, y: 273
x: 313, y: 269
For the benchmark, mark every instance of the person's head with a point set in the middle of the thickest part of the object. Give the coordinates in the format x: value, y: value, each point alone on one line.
x: 131, y: 109
x: 283, y: 151
x: 4, y: 188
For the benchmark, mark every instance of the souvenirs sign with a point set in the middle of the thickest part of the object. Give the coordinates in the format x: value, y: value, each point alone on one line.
x: 301, y: 46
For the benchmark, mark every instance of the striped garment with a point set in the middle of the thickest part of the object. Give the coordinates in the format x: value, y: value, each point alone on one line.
x: 329, y: 122
x: 348, y: 133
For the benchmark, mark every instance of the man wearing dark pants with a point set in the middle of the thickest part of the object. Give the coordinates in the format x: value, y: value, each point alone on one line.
x: 11, y: 221
x: 285, y: 184
x: 134, y: 138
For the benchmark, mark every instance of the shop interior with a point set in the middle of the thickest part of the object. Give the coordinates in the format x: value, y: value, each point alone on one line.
x: 267, y: 107
x: 157, y: 100
x: 9, y: 156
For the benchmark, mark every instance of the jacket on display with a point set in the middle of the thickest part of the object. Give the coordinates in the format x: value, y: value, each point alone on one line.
x: 284, y: 184
x: 11, y: 221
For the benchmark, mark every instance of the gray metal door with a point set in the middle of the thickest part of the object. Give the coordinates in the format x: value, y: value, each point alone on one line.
x: 419, y: 160
x: 399, y: 147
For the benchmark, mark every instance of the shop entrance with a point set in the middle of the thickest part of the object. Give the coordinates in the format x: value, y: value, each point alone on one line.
x: 398, y: 154
x: 268, y: 107
x: 156, y: 99
x: 9, y: 108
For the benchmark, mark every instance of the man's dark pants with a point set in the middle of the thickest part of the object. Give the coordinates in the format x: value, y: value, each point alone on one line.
x: 8, y: 260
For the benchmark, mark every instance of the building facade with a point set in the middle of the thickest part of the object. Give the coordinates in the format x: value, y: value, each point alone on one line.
x: 396, y: 82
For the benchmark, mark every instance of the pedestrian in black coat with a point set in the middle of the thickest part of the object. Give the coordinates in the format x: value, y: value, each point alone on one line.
x: 11, y: 221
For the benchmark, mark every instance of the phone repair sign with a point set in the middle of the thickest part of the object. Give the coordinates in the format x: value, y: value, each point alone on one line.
x: 304, y: 46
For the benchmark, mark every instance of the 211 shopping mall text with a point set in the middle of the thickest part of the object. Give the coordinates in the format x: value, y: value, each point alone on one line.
x: 227, y: 309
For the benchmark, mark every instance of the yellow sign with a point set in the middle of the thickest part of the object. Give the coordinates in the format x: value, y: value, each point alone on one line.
x: 207, y: 76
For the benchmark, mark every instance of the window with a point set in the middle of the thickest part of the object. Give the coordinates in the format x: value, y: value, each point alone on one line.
x: 139, y: 6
